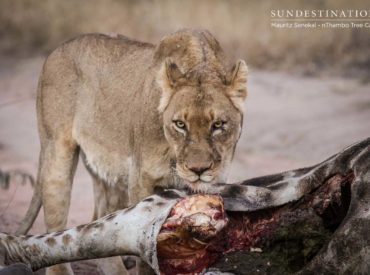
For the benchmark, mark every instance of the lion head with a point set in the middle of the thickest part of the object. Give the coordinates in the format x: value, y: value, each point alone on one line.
x: 202, y: 111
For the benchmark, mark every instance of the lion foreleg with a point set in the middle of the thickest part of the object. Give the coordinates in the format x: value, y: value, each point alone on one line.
x: 107, y: 200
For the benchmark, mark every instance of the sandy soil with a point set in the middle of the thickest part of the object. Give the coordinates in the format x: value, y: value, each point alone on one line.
x: 291, y: 121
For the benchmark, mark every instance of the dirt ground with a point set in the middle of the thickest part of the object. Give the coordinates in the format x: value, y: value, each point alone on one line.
x: 291, y: 121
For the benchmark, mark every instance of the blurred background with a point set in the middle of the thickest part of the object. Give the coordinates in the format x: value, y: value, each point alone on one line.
x: 309, y: 89
x: 242, y: 27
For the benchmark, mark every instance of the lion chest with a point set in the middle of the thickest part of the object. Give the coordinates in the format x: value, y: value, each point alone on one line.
x: 122, y: 165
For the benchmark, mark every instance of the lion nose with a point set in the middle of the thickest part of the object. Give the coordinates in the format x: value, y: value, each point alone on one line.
x: 199, y: 168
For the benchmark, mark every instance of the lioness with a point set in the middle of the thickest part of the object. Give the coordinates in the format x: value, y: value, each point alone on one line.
x: 141, y: 116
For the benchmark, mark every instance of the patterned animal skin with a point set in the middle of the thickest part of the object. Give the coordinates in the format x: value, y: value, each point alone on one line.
x: 145, y: 228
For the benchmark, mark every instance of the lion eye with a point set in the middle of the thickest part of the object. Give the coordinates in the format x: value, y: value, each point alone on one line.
x: 218, y: 125
x: 180, y: 124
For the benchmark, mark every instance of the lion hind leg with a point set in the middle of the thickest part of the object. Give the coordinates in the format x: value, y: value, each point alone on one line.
x: 58, y: 161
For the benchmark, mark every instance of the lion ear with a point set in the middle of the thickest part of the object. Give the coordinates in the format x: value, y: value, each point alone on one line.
x: 237, y: 90
x: 168, y: 78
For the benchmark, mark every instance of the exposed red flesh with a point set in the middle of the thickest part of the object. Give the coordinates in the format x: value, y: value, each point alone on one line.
x: 182, y: 253
x: 184, y: 237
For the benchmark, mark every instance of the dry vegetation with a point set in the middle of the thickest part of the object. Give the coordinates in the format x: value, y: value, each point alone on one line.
x: 243, y: 27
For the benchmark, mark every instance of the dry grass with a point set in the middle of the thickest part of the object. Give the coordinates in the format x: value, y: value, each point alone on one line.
x: 243, y: 28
